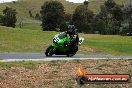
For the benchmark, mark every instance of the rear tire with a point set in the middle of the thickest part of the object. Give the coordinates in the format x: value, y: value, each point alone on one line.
x: 49, y: 51
x: 71, y: 54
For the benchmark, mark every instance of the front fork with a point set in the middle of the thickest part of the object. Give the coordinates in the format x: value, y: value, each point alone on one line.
x: 55, y: 45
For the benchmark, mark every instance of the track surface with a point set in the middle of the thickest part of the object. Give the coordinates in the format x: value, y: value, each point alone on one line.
x: 38, y: 57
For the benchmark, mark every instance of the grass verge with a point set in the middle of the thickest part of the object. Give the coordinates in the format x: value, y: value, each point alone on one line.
x: 33, y: 39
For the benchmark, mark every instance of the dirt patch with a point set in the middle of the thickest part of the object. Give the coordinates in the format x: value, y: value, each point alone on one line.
x: 62, y: 74
x: 86, y: 49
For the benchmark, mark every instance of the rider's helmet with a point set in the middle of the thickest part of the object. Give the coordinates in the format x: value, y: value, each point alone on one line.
x: 71, y: 29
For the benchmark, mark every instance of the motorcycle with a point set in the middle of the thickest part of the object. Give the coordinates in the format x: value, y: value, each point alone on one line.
x: 60, y: 46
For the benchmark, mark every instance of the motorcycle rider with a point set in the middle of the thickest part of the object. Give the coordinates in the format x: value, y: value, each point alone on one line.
x: 65, y: 43
x: 72, y: 31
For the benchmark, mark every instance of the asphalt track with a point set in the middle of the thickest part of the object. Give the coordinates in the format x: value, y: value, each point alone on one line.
x: 42, y: 57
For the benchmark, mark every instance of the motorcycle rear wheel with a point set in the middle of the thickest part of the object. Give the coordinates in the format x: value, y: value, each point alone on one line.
x: 71, y: 54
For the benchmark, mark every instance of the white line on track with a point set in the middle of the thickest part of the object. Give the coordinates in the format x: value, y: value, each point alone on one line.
x: 58, y: 59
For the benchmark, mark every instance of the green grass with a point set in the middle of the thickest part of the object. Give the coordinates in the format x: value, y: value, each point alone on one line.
x: 116, y: 45
x: 24, y: 40
x: 25, y: 64
x: 35, y: 40
x: 32, y: 26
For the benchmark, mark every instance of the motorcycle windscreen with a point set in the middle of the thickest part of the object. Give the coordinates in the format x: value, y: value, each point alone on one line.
x: 62, y: 35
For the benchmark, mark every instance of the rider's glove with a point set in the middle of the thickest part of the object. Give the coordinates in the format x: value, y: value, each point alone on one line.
x: 67, y: 44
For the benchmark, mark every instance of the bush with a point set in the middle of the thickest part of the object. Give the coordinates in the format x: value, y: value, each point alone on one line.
x: 9, y: 17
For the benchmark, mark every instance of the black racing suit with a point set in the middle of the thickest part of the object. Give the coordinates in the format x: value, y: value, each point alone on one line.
x: 74, y: 40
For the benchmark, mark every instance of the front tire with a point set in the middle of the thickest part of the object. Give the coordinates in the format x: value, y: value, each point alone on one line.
x: 49, y: 51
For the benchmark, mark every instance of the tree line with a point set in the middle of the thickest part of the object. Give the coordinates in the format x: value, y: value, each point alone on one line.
x: 112, y: 19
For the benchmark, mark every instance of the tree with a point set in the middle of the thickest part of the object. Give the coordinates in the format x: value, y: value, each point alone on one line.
x: 68, y: 17
x: 52, y: 13
x: 37, y: 16
x: 86, y: 3
x: 117, y: 13
x: 66, y: 22
x: 98, y: 24
x: 82, y: 18
x: 109, y: 19
x: 109, y: 4
x: 9, y: 17
x: 1, y: 17
x: 127, y: 17
x: 30, y: 13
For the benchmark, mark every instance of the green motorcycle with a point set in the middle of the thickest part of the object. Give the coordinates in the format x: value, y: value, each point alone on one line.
x: 60, y: 46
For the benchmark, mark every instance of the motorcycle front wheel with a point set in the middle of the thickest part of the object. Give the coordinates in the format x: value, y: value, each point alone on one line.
x: 49, y: 51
